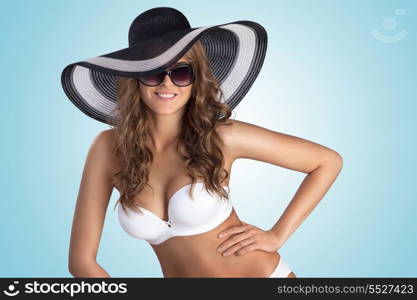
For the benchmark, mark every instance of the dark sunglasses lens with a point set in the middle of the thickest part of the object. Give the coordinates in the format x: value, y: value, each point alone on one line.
x: 182, y: 75
x: 152, y: 80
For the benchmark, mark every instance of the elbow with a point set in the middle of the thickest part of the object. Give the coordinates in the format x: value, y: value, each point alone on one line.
x: 72, y: 272
x: 333, y: 159
x: 338, y: 160
x: 73, y: 267
x: 77, y: 266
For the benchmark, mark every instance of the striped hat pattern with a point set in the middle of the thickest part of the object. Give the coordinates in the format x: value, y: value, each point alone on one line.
x: 158, y: 38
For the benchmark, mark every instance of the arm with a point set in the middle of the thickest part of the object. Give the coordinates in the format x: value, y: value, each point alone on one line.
x: 93, y: 198
x: 313, y: 188
x: 321, y: 164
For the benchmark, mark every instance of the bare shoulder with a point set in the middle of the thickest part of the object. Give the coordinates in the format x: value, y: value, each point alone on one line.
x: 104, y: 142
x: 246, y: 140
x: 102, y: 150
x: 107, y: 136
x: 224, y: 131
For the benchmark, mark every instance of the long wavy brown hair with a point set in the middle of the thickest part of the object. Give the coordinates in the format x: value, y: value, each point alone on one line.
x: 198, y: 143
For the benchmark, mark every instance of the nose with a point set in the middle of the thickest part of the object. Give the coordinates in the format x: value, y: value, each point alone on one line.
x: 167, y: 80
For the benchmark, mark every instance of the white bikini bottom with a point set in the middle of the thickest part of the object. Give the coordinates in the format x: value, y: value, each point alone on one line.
x: 282, y: 269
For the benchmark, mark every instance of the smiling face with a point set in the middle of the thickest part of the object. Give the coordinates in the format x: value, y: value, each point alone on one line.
x: 160, y: 104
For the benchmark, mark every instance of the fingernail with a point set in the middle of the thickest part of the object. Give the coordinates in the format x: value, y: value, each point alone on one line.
x: 220, y: 235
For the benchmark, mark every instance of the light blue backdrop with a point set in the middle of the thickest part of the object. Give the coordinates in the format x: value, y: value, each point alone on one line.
x: 326, y: 78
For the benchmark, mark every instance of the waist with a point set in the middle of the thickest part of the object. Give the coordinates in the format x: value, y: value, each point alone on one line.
x: 197, y: 256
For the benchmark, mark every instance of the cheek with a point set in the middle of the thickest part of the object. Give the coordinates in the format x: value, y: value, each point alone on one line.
x: 147, y: 99
x: 188, y: 92
x: 186, y: 96
x: 147, y: 95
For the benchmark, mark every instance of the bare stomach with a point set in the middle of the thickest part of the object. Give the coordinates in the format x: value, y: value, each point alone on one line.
x: 197, y: 256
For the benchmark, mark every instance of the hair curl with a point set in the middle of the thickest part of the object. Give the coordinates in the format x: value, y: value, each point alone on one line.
x: 198, y: 142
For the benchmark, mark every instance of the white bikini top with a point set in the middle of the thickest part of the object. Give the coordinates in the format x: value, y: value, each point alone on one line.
x: 186, y: 216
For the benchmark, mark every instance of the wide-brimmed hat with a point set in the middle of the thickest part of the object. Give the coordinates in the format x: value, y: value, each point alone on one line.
x: 158, y: 38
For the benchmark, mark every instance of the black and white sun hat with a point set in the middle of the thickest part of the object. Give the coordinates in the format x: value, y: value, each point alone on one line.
x: 158, y: 38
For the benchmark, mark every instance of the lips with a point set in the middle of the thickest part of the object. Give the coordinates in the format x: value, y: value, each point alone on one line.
x: 156, y: 93
x: 166, y: 99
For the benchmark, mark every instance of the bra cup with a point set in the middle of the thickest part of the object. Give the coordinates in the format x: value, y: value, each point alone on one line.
x: 186, y: 212
x: 140, y: 226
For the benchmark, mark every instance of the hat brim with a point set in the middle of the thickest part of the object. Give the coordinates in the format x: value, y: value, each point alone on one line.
x: 235, y: 51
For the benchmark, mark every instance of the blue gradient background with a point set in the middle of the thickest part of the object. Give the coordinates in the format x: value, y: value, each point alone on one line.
x: 325, y: 78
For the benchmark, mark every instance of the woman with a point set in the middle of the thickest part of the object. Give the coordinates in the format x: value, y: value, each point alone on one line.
x: 170, y: 155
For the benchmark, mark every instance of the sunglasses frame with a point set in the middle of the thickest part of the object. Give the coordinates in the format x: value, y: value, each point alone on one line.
x: 165, y: 72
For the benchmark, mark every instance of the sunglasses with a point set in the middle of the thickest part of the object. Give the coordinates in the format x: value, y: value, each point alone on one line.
x: 181, y: 75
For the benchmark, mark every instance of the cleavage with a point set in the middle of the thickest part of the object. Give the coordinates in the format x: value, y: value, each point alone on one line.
x: 154, y: 210
x: 167, y: 175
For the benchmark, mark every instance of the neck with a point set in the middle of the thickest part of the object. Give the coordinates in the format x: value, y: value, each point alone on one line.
x: 164, y: 130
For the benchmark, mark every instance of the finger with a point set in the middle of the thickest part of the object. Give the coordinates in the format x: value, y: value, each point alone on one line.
x: 247, y: 249
x: 232, y: 230
x: 233, y: 240
x: 238, y: 246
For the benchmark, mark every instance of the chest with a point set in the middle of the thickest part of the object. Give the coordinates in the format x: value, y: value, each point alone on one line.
x: 188, y: 214
x: 168, y: 179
